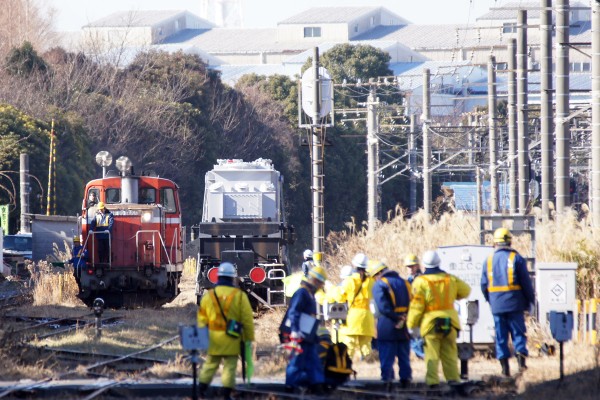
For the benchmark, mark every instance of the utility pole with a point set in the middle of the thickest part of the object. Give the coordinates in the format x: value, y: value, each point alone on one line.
x: 24, y: 188
x: 563, y: 136
x: 372, y: 160
x: 492, y: 118
x: 512, y: 127
x: 523, y: 114
x: 547, y: 130
x: 596, y: 112
x: 317, y: 162
x: 412, y: 163
x: 426, y: 149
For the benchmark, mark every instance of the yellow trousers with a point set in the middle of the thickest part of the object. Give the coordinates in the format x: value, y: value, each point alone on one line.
x: 357, y: 344
x: 441, y: 348
x: 211, y: 365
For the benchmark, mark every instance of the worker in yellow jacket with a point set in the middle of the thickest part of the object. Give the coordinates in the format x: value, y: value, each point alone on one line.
x: 356, y: 290
x: 227, y: 312
x: 432, y: 314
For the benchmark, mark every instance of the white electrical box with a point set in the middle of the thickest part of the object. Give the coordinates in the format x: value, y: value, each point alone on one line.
x: 466, y: 262
x: 555, y: 287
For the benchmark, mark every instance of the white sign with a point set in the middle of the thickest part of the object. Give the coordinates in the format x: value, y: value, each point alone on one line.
x: 558, y: 292
x: 325, y: 91
x: 466, y: 262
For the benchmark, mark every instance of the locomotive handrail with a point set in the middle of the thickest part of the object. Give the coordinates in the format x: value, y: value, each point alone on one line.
x: 90, y: 232
x: 173, y: 249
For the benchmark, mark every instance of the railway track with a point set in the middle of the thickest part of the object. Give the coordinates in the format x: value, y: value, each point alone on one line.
x: 33, y: 386
x: 178, y: 388
x: 13, y: 300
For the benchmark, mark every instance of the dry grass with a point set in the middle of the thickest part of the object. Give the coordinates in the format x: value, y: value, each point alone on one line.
x: 563, y: 240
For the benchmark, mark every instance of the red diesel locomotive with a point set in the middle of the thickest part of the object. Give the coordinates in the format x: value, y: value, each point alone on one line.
x: 145, y: 256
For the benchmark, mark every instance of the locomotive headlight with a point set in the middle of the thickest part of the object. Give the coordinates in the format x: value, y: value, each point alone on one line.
x: 147, y: 216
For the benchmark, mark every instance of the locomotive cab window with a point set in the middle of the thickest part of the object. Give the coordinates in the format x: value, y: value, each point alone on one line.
x: 167, y: 199
x: 93, y: 197
x: 147, y: 195
x: 113, y: 196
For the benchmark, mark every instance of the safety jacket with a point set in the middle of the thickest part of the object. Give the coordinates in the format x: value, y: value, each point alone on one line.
x: 392, y: 296
x: 80, y: 256
x: 434, y: 294
x: 505, y: 282
x: 103, y: 222
x: 358, y: 294
x: 235, y: 306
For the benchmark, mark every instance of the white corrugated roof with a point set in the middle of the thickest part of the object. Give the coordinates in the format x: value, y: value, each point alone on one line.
x: 238, y: 40
x: 331, y: 15
x: 134, y: 18
x: 509, y: 11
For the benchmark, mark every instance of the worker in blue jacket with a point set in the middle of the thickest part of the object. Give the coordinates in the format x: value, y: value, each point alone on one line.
x: 305, y: 369
x: 392, y: 296
x: 102, y: 224
x: 79, y: 257
x: 506, y: 285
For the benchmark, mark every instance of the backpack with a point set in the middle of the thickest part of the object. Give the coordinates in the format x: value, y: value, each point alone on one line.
x: 338, y: 365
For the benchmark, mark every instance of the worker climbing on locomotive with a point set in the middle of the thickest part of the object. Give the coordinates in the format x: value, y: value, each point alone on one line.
x: 102, y: 225
x: 359, y: 329
x: 79, y: 256
x: 506, y: 285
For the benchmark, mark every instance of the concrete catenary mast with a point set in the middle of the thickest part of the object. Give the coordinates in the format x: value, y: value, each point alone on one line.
x: 547, y: 130
x: 596, y: 112
x: 523, y: 114
x: 563, y: 136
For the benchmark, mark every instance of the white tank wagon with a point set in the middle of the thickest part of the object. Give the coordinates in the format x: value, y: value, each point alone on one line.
x: 243, y: 222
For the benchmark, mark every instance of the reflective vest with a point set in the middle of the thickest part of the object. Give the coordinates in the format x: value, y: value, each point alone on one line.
x: 441, y: 299
x: 393, y: 296
x: 510, y: 272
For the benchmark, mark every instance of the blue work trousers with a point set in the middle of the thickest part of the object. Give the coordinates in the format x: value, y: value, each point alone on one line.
x: 512, y: 323
x: 306, y: 368
x: 388, y: 351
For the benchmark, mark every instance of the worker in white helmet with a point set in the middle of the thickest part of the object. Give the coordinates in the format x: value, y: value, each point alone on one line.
x: 226, y: 311
x: 308, y: 262
x: 432, y: 315
x: 356, y: 290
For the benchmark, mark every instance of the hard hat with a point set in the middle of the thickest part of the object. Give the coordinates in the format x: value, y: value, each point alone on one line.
x: 431, y: 259
x: 360, y: 260
x: 318, y: 273
x: 502, y: 236
x: 345, y: 271
x: 227, y: 269
x: 374, y: 267
x: 101, y: 205
x: 76, y: 239
x: 411, y: 260
x: 308, y: 254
